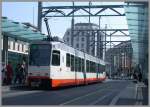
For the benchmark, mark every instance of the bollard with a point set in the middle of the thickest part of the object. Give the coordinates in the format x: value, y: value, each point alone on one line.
x: 139, y: 96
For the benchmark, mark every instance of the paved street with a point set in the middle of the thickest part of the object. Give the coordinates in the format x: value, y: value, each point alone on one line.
x: 110, y: 92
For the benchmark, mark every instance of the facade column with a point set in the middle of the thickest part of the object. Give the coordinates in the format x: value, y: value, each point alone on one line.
x: 5, y: 50
x: 39, y: 16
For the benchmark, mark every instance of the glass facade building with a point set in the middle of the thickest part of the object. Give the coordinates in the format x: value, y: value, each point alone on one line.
x: 137, y: 19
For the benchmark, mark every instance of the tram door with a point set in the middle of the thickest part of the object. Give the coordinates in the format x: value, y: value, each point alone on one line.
x: 84, y: 71
x: 76, y: 66
x: 76, y: 69
x: 84, y: 68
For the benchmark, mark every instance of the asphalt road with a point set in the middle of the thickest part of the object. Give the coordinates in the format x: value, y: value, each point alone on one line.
x: 93, y: 94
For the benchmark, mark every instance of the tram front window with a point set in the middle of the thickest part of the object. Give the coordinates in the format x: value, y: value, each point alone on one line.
x: 40, y: 55
x: 56, y: 58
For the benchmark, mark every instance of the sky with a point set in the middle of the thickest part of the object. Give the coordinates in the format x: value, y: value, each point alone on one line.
x: 27, y: 12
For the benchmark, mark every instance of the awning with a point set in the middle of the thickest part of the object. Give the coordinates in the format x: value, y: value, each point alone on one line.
x: 20, y: 31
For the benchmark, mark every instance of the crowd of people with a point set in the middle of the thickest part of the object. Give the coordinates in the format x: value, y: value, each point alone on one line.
x: 18, y: 76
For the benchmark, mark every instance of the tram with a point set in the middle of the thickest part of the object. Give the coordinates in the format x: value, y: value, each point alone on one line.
x: 55, y: 64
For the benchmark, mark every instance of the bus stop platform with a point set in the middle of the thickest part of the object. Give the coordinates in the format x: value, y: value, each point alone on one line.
x: 133, y: 94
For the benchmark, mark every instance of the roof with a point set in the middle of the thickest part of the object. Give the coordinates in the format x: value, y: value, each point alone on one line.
x: 20, y: 31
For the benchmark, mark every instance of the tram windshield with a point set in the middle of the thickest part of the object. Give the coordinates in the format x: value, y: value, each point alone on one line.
x: 40, y: 55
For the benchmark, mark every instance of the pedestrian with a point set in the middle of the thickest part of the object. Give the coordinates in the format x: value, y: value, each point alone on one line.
x: 134, y: 76
x: 139, y: 73
x: 24, y: 71
x: 9, y: 74
x: 23, y: 74
x: 3, y: 78
x: 18, y: 77
x: 140, y: 76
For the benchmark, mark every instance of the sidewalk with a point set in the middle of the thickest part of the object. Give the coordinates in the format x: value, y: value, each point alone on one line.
x: 133, y: 94
x: 9, y: 87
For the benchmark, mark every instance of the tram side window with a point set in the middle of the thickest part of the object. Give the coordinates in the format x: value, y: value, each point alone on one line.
x: 82, y: 65
x: 87, y: 65
x: 68, y: 60
x: 103, y: 68
x: 72, y: 63
x: 97, y: 68
x: 91, y: 66
x: 79, y: 65
x: 56, y: 58
x: 94, y: 67
x: 76, y: 63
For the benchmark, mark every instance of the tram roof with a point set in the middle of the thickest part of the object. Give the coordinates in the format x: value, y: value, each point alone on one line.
x: 20, y: 31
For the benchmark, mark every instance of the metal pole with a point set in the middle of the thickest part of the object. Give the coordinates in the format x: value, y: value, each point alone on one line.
x: 111, y: 57
x: 105, y: 41
x: 89, y: 11
x: 130, y: 59
x: 39, y: 16
x: 90, y: 32
x: 124, y: 60
x: 100, y: 39
x: 33, y: 15
x: 5, y: 50
x: 120, y: 62
x: 72, y: 27
x: 99, y: 22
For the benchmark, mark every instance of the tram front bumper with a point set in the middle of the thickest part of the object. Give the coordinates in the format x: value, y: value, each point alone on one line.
x: 38, y: 81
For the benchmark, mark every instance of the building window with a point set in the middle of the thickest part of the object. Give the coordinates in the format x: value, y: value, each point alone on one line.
x: 77, y: 39
x: 68, y: 33
x: 2, y: 43
x: 67, y: 39
x: 8, y: 44
x: 80, y: 33
x: 82, y: 45
x: 26, y: 48
x: 22, y: 48
x: 18, y: 47
x: 14, y: 45
x: 77, y: 45
x: 82, y: 39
